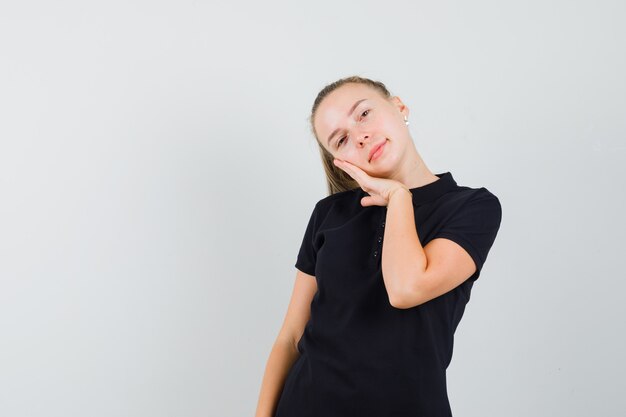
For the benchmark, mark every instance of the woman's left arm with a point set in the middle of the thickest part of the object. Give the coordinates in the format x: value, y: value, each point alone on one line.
x: 414, y: 274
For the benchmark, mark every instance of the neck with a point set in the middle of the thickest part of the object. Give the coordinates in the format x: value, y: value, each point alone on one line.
x: 414, y: 172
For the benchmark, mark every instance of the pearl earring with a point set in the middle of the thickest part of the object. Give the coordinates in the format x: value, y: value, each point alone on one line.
x: 406, y: 121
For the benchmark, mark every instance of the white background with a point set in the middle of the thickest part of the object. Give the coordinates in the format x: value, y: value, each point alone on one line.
x: 157, y: 172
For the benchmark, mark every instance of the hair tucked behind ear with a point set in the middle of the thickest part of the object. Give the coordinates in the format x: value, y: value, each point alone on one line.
x: 338, y: 180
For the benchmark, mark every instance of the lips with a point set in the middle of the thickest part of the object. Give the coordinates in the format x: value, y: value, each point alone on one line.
x: 375, y: 148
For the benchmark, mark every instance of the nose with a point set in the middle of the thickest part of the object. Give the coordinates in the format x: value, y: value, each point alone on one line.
x: 363, y: 139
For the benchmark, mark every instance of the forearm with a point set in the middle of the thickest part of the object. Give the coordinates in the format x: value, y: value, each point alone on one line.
x: 403, y: 257
x: 282, y: 357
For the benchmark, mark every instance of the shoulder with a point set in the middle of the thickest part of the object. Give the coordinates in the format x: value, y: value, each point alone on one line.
x: 342, y: 201
x: 473, y: 207
x: 462, y: 195
x: 336, y: 209
x: 469, y: 210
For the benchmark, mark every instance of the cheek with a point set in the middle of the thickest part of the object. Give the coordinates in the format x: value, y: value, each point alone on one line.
x: 393, y: 129
x: 351, y: 155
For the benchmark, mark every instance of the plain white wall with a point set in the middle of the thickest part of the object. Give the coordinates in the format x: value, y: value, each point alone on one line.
x: 157, y: 173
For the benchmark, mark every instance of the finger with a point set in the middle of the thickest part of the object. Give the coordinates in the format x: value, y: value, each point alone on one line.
x: 348, y: 169
x: 355, y: 172
x: 372, y: 201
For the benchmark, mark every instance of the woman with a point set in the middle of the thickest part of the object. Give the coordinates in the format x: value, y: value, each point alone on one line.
x: 385, y: 269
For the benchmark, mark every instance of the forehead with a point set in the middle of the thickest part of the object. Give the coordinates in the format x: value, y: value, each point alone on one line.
x: 335, y: 106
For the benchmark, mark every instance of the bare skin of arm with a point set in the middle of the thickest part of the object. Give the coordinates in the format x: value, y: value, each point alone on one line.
x: 414, y: 274
x: 284, y: 351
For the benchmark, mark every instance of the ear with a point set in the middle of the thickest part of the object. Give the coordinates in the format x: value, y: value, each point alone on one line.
x: 402, y: 108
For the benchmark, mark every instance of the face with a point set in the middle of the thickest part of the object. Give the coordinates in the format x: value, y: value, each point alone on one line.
x: 351, y: 133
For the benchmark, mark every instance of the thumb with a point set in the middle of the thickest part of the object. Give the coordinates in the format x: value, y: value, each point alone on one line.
x: 372, y: 200
x: 367, y: 201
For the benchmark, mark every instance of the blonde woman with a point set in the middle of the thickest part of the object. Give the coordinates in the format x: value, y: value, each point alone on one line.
x: 384, y: 271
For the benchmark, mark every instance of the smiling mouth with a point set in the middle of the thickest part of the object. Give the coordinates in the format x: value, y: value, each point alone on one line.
x: 377, y: 149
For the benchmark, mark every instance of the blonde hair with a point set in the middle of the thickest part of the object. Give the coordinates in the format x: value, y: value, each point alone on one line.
x: 338, y: 180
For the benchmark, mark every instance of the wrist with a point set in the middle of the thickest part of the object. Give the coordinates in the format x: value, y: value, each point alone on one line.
x: 394, y: 191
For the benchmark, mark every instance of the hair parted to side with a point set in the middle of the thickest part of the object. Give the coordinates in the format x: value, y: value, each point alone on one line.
x: 338, y: 180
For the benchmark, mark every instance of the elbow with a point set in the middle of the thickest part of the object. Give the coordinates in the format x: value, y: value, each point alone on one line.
x: 405, y: 290
x: 401, y: 304
x: 397, y: 304
x: 404, y: 300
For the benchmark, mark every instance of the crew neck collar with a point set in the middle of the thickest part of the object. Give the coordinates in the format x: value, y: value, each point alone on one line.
x: 435, y: 189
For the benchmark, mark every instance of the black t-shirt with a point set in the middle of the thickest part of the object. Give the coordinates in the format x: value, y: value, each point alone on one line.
x: 359, y: 355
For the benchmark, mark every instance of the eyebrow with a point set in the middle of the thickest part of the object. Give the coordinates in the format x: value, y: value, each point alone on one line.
x: 349, y: 113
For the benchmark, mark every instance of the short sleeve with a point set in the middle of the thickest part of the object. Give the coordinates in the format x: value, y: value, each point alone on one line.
x: 307, y: 254
x: 474, y: 227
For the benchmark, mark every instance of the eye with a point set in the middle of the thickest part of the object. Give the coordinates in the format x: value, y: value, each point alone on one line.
x: 340, y: 141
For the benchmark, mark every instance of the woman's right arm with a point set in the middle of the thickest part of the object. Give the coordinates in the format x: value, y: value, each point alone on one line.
x: 285, y: 352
